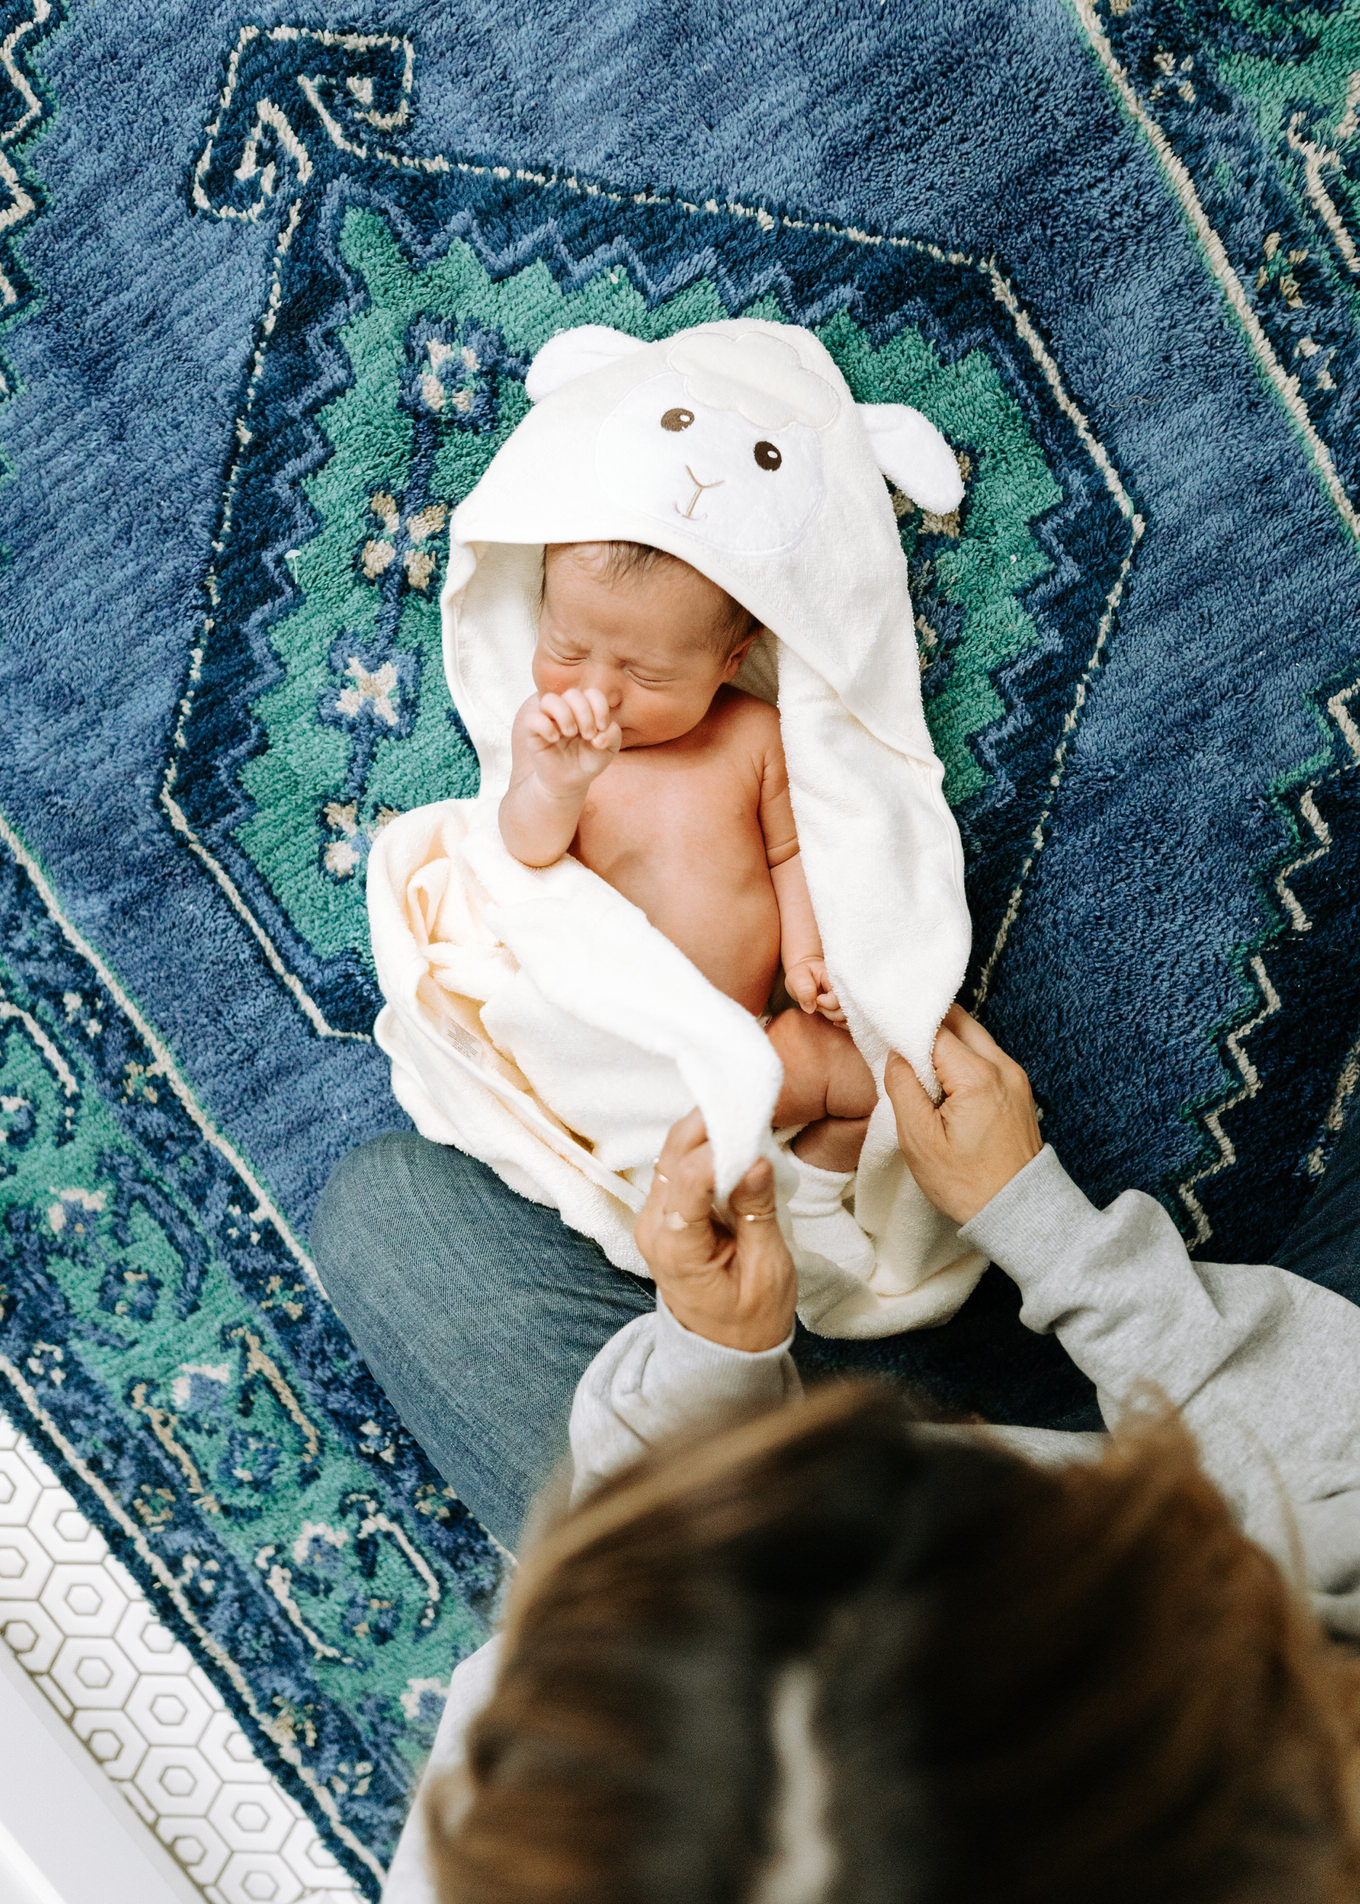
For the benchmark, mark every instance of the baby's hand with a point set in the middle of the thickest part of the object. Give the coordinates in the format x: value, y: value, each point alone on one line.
x: 571, y: 738
x: 809, y: 985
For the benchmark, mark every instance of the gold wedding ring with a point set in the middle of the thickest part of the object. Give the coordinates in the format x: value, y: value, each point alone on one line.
x: 762, y: 1216
x: 674, y: 1220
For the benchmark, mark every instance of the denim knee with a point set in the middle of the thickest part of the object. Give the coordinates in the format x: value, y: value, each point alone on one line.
x: 351, y: 1217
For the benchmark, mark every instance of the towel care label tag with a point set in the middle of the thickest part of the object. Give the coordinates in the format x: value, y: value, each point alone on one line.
x: 476, y: 1050
x: 482, y: 1056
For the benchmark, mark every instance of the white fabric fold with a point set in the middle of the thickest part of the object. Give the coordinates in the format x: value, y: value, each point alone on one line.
x: 536, y: 1018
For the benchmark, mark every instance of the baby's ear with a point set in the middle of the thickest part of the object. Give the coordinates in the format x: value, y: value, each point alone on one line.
x: 911, y: 453
x: 576, y: 353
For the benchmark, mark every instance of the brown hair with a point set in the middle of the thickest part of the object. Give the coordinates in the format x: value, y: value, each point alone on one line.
x: 617, y: 561
x: 1031, y: 1686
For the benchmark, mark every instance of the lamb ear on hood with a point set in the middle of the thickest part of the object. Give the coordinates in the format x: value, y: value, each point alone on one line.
x: 912, y: 454
x: 576, y: 353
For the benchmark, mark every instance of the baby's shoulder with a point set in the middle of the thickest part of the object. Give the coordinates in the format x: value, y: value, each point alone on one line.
x: 748, y: 717
x: 749, y: 733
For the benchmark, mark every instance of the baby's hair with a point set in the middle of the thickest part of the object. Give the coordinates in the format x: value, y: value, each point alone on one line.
x: 618, y: 561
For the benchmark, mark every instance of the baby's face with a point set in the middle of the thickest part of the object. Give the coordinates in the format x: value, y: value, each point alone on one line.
x: 649, y: 642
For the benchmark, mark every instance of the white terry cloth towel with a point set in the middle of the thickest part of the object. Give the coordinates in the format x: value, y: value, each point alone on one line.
x: 535, y: 1018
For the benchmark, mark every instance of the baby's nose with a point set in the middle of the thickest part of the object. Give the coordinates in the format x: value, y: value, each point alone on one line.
x: 609, y: 682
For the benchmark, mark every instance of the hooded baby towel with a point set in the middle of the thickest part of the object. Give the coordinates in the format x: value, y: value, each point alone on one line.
x: 536, y: 1018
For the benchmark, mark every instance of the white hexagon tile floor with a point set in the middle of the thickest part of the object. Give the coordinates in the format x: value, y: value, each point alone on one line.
x: 81, y: 1627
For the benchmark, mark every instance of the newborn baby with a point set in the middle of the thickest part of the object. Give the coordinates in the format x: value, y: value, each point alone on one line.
x: 638, y: 755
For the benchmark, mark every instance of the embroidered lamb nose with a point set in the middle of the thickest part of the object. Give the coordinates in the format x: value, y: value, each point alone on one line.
x: 699, y: 489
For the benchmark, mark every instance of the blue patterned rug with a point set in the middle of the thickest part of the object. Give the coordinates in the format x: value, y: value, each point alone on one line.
x: 268, y: 291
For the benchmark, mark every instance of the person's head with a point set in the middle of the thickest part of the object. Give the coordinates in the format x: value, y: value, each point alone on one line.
x: 830, y: 1657
x: 653, y: 634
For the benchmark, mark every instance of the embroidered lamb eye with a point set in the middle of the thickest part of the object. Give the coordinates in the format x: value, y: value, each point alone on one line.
x: 767, y: 455
x: 677, y: 419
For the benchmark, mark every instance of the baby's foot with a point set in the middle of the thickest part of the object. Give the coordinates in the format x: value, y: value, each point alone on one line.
x: 821, y: 1223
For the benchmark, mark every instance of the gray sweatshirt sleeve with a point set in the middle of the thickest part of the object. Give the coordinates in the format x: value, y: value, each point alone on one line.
x: 1264, y: 1367
x: 410, y: 1877
x: 655, y: 1378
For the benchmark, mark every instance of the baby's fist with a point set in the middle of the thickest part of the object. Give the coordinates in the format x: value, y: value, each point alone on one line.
x: 572, y: 738
x: 809, y: 985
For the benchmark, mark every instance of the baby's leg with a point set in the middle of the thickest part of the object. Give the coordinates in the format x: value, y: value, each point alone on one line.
x: 827, y: 1087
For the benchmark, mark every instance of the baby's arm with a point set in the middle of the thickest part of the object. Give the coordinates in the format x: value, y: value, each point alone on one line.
x: 559, y: 744
x: 800, y: 943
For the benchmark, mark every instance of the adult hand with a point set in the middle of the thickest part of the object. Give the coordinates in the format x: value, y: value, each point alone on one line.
x: 982, y: 1133
x: 739, y: 1288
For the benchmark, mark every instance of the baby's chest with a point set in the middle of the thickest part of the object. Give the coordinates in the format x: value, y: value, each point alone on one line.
x: 695, y: 813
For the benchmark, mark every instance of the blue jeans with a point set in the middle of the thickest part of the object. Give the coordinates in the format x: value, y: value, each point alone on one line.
x: 478, y: 1312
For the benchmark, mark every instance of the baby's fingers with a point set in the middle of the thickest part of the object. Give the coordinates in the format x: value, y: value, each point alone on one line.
x: 558, y: 710
x: 802, y: 987
x: 542, y: 728
x: 583, y: 712
x: 828, y: 1004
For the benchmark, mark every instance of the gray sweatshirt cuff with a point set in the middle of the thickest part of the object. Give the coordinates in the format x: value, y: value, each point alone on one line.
x: 1033, y: 1221
x: 1115, y: 1285
x: 682, y: 1362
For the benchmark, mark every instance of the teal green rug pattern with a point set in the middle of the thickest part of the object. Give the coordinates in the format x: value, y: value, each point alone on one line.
x: 162, y: 1331
x: 270, y: 281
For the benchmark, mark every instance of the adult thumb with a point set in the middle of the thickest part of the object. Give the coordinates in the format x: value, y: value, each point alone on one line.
x: 957, y: 1064
x: 752, y: 1209
x: 909, y: 1098
x: 754, y: 1195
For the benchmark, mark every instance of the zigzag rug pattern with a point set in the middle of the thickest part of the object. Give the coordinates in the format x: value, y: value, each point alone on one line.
x: 1254, y: 108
